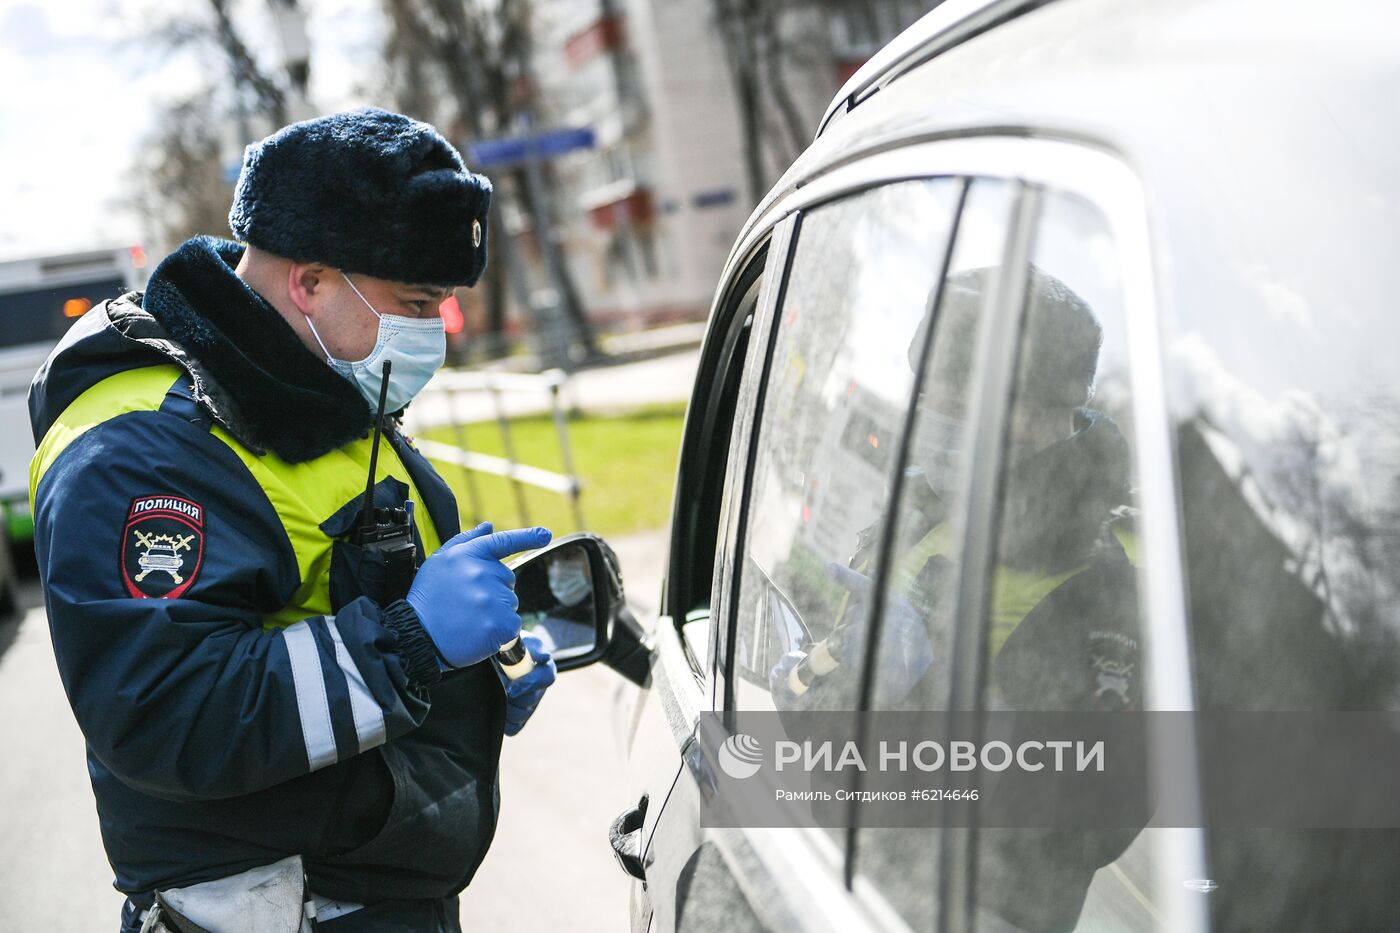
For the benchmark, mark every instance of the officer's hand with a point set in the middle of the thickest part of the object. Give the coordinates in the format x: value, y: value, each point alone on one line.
x: 780, y: 683
x: 465, y: 596
x: 905, y: 651
x: 523, y: 695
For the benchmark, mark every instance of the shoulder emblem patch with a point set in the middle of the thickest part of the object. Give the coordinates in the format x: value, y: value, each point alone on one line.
x: 162, y: 546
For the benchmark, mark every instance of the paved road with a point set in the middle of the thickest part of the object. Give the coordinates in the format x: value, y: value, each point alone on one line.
x: 53, y: 873
x: 549, y: 869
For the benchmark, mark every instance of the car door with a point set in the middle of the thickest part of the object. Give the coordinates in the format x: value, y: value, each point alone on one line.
x: 682, y: 680
x: 1056, y: 585
x: 827, y: 387
x: 1049, y: 613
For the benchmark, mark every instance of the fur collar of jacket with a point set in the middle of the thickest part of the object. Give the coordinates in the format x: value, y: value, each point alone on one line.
x: 251, y: 372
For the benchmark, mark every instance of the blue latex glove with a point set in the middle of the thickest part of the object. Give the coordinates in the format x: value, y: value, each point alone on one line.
x: 905, y: 652
x: 465, y: 596
x: 523, y: 695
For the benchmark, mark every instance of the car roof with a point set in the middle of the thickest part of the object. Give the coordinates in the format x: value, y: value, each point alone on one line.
x: 1264, y: 135
x: 1111, y: 71
x: 946, y: 25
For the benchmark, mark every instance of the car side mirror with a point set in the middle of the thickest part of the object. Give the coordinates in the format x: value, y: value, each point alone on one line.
x: 571, y: 598
x: 566, y: 595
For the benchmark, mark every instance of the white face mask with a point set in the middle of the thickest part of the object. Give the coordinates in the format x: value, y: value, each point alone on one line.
x: 938, y: 448
x: 569, y: 579
x: 416, y: 346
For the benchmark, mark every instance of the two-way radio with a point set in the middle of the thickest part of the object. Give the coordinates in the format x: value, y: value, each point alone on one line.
x: 388, y: 555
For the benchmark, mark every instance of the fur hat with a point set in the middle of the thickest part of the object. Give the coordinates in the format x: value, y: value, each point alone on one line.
x: 367, y: 191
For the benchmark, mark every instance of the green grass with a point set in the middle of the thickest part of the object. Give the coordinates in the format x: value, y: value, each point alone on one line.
x: 627, y: 463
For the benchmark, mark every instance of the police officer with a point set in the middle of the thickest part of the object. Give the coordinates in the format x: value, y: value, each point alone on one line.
x: 253, y: 723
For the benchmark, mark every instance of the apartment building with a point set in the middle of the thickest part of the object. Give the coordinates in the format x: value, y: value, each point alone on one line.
x: 648, y: 214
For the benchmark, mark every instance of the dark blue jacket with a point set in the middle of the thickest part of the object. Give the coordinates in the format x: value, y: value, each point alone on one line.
x: 196, y: 468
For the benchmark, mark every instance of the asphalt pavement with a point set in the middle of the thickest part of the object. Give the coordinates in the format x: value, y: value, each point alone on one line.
x: 562, y: 783
x: 53, y: 873
x: 549, y: 868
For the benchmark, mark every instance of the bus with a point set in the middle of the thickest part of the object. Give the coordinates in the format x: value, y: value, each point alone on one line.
x: 40, y: 299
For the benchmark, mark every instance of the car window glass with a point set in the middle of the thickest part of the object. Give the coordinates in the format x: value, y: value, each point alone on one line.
x: 771, y: 270
x: 914, y: 638
x: 862, y: 275
x: 915, y: 634
x: 702, y: 488
x: 1285, y: 398
x: 1062, y: 630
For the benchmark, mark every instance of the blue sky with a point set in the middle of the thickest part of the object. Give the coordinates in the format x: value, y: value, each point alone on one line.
x: 80, y: 84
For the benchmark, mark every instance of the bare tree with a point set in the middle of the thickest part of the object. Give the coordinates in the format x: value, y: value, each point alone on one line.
x: 771, y: 43
x: 180, y: 189
x: 480, y: 53
x: 253, y: 91
x: 775, y: 52
x: 429, y: 48
x: 269, y: 98
x: 407, y: 49
x: 179, y: 181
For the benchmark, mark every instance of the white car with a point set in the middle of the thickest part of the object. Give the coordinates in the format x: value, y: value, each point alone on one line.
x: 1058, y: 286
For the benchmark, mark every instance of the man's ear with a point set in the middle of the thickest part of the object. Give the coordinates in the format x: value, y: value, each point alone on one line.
x: 307, y: 286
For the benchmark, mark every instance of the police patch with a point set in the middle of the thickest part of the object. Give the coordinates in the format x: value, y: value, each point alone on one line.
x: 1113, y: 661
x: 162, y: 546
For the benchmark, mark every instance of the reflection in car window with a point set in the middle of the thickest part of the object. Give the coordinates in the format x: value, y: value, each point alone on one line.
x: 916, y: 630
x: 839, y: 382
x: 915, y: 633
x: 1286, y: 402
x: 1062, y: 626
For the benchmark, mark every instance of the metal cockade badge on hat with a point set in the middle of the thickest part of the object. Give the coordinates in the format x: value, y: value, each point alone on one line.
x: 476, y: 233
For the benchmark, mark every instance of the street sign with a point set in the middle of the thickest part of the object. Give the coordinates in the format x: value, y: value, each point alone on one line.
x: 717, y: 197
x: 488, y: 153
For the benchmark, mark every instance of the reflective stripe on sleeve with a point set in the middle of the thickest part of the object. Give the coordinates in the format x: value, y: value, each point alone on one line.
x: 312, y: 703
x: 369, y: 718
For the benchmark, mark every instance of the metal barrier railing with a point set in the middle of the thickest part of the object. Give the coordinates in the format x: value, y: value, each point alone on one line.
x: 452, y: 386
